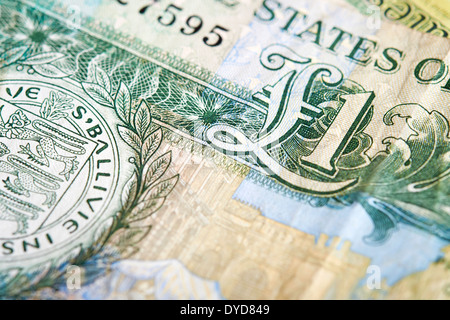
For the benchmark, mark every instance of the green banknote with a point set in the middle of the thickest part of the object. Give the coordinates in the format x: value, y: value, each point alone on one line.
x: 223, y: 149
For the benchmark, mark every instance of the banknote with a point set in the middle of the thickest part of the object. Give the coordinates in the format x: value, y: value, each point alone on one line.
x: 221, y: 149
x: 430, y: 16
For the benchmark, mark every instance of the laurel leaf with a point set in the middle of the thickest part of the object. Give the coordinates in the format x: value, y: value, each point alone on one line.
x: 151, y: 144
x: 130, y: 137
x: 11, y: 56
x: 103, y: 79
x: 45, y: 109
x: 123, y: 103
x: 142, y: 119
x: 145, y: 209
x: 50, y: 71
x: 160, y: 190
x: 58, y: 115
x: 43, y: 58
x: 157, y: 168
x: 129, y: 191
x: 130, y: 236
x: 98, y: 93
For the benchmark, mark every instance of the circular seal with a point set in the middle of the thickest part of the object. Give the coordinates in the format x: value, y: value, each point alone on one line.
x: 58, y: 168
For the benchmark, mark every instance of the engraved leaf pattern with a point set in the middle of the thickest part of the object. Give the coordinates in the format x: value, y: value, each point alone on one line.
x: 123, y: 103
x: 130, y: 137
x: 126, y: 239
x: 161, y: 189
x: 45, y: 109
x: 157, y: 168
x: 142, y: 119
x: 146, y: 208
x: 54, y: 107
x: 103, y: 79
x: 129, y: 191
x: 151, y: 144
x: 143, y: 193
x: 98, y: 93
x: 43, y: 58
x: 12, y: 56
x: 50, y: 71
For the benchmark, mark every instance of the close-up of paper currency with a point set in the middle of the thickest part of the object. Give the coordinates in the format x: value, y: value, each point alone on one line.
x: 225, y: 150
